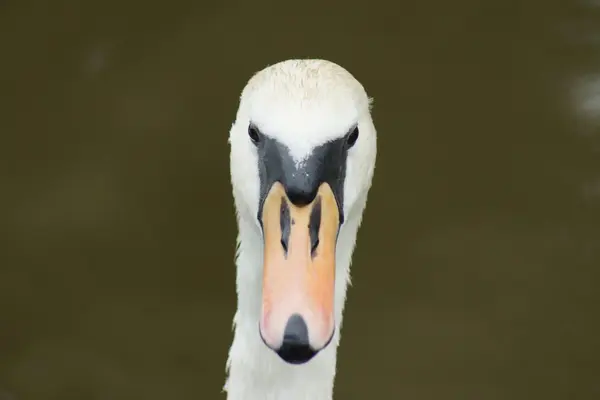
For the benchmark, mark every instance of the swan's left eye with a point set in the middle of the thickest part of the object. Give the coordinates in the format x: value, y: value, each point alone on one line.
x: 352, y: 137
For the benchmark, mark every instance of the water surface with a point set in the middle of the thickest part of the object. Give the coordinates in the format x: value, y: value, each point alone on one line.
x: 476, y: 272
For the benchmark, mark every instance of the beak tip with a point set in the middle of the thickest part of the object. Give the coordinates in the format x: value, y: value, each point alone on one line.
x: 295, y: 354
x: 295, y: 347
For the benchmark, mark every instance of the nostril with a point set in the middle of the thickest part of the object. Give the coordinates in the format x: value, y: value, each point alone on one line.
x: 296, y: 348
x: 314, y: 226
x: 284, y: 222
x: 314, y: 247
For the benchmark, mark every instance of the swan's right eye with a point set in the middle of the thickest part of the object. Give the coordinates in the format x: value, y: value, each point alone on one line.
x: 254, y: 134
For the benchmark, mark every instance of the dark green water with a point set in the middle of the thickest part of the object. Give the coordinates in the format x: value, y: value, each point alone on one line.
x: 478, y: 265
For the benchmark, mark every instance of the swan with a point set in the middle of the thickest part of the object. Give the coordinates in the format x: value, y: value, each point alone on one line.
x: 302, y: 157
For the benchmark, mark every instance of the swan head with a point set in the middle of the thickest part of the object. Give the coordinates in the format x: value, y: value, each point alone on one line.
x: 303, y: 149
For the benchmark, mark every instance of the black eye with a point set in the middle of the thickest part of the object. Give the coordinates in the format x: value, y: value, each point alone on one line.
x: 254, y: 134
x: 352, y: 137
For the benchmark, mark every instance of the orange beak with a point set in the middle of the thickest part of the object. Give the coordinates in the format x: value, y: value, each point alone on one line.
x: 298, y: 273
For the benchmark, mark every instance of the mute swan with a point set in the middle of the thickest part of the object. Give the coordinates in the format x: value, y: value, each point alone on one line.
x: 303, y: 149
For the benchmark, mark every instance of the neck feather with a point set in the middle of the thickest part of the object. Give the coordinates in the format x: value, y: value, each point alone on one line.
x: 256, y: 372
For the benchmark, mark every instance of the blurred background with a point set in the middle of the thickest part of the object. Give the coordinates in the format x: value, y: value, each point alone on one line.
x: 477, y: 269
